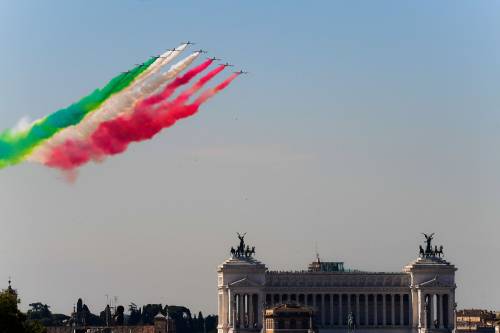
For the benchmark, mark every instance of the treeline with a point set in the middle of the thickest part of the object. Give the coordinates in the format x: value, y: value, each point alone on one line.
x: 185, y: 321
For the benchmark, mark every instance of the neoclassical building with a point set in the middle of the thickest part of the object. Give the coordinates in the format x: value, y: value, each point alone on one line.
x: 420, y: 298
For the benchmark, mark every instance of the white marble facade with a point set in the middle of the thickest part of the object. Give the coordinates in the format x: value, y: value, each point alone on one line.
x: 420, y: 298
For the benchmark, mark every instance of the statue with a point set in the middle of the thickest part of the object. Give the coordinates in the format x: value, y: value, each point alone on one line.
x: 421, y: 249
x: 241, y: 248
x: 428, y: 240
x: 429, y: 250
x: 350, y: 322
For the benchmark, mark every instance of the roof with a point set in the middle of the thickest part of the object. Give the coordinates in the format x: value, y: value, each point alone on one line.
x: 425, y: 263
x: 242, y: 262
x: 289, y: 308
x: 160, y: 316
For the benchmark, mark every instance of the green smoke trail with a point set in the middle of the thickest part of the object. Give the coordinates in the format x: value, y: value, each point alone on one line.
x: 14, y: 146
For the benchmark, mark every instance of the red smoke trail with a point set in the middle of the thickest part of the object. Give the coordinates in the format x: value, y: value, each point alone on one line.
x: 171, y: 87
x: 114, y: 136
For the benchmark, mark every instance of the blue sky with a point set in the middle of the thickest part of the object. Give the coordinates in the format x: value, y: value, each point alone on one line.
x: 361, y: 125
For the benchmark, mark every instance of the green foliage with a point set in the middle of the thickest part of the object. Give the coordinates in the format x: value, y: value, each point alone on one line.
x: 11, y: 319
x: 33, y: 326
x: 135, y: 315
x: 14, y: 321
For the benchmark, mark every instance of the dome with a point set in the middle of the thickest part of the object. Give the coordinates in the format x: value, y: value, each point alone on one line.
x: 160, y: 316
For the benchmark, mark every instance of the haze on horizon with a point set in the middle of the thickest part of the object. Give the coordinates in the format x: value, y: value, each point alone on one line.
x: 361, y: 125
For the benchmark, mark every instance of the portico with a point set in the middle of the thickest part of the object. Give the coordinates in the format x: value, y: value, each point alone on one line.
x: 420, y: 298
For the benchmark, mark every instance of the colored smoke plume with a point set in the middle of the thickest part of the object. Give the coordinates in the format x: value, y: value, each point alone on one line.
x: 113, y: 137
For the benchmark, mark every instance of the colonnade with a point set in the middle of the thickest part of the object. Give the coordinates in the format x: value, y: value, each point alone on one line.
x: 437, y: 310
x: 244, y: 310
x: 367, y: 309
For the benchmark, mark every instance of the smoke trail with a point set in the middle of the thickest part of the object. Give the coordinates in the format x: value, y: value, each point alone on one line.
x: 179, y: 81
x: 14, y: 146
x: 164, y: 59
x: 113, y: 137
x: 77, y: 145
x: 117, y: 104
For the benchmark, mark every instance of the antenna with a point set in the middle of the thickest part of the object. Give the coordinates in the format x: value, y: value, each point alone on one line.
x: 316, y: 251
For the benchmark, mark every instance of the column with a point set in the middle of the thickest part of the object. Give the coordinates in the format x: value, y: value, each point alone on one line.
x: 358, y: 318
x: 236, y: 310
x: 375, y: 310
x: 422, y: 316
x: 225, y: 312
x: 341, y: 322
x: 331, y: 310
x: 401, y: 312
x: 413, y: 308
x: 230, y: 308
x: 384, y: 312
x: 323, y: 310
x: 451, y: 310
x: 410, y: 309
x: 367, y: 322
x: 349, y: 307
x: 440, y: 310
x: 259, y: 315
x: 431, y: 310
x: 392, y: 310
x: 251, y: 315
x: 242, y: 310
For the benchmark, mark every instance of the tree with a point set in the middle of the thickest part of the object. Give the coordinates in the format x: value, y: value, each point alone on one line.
x: 41, y: 312
x: 14, y: 321
x: 135, y: 315
x: 149, y: 311
x: 11, y: 319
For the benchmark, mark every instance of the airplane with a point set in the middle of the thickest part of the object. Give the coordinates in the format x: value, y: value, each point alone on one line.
x: 214, y: 59
x: 241, y: 72
x: 189, y: 43
x: 163, y: 57
x: 227, y: 65
x: 202, y: 51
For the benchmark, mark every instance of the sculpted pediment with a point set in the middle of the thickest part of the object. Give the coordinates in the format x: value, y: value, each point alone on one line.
x: 434, y: 282
x: 245, y: 282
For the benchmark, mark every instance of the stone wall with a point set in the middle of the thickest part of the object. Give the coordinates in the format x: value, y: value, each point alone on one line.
x: 115, y: 329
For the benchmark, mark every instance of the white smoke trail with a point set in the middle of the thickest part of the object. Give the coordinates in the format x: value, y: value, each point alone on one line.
x: 22, y: 125
x: 120, y: 103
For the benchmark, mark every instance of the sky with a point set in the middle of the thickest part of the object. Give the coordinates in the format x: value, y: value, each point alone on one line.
x: 361, y: 125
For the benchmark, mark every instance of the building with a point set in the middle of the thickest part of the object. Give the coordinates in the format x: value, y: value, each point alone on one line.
x: 420, y: 298
x: 162, y: 324
x: 477, y: 320
x: 288, y: 318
